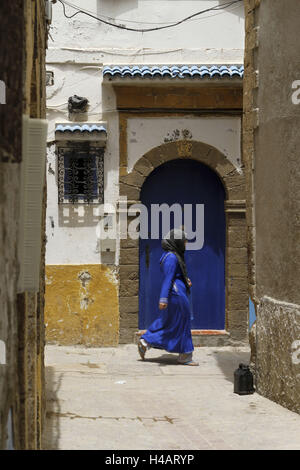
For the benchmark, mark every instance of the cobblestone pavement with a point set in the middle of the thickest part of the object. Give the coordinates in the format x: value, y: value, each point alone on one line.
x: 108, y: 398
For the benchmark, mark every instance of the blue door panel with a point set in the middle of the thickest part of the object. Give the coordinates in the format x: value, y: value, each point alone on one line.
x: 187, y: 182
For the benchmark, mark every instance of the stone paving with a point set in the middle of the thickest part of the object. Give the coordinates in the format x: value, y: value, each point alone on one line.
x: 109, y: 399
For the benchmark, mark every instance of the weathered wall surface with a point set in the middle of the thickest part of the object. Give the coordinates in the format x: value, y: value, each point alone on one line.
x: 9, y: 206
x: 82, y: 305
x: 22, y: 53
x: 223, y: 133
x: 216, y: 37
x: 250, y: 125
x: 271, y: 143
x: 10, y: 156
x: 31, y: 320
x: 277, y: 169
x: 278, y: 352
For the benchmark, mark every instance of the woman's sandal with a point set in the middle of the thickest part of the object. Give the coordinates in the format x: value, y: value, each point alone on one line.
x: 189, y: 363
x: 142, y: 350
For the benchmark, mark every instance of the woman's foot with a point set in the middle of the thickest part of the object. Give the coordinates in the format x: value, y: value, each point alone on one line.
x: 186, y: 359
x: 142, y: 350
x: 189, y: 363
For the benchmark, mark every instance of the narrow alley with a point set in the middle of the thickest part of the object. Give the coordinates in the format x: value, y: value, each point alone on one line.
x: 150, y: 194
x: 109, y: 399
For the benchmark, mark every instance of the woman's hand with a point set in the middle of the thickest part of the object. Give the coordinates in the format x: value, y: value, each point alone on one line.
x: 162, y: 305
x: 189, y: 282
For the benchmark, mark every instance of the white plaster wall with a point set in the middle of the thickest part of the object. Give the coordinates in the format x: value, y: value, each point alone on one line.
x: 73, y: 239
x: 70, y: 238
x: 81, y: 80
x: 223, y: 133
x: 77, y: 51
x: 215, y: 37
x: 72, y: 229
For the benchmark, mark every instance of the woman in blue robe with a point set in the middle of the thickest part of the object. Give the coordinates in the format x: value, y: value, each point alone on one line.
x: 171, y: 330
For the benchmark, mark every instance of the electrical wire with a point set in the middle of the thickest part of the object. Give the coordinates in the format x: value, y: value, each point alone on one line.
x: 135, y: 53
x: 167, y: 25
x: 146, y: 22
x: 146, y: 30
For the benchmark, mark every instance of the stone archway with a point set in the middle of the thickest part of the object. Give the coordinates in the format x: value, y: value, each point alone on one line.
x: 236, y: 274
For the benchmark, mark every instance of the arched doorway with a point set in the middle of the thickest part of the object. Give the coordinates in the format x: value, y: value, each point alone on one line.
x: 186, y: 182
x: 236, y: 259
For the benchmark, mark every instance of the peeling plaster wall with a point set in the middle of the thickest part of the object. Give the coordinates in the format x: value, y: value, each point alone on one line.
x: 82, y: 80
x: 222, y: 133
x: 82, y: 305
x: 213, y: 38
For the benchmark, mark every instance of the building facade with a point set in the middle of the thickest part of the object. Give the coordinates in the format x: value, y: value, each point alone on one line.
x: 23, y: 39
x: 271, y: 147
x: 142, y: 119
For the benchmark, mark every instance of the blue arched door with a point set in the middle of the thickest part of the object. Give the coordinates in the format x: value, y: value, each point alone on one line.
x: 186, y: 182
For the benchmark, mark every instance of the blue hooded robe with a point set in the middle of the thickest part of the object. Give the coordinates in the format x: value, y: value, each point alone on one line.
x: 171, y: 330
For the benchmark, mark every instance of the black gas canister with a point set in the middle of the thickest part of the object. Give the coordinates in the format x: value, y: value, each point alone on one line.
x: 243, y: 380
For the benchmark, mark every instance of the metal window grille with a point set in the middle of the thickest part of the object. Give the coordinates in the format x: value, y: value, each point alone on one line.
x: 80, y: 175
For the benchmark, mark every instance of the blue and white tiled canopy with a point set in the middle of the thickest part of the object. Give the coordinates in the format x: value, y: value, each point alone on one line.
x: 80, y: 128
x: 175, y: 71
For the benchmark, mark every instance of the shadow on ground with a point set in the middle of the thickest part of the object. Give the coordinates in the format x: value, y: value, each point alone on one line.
x: 163, y: 360
x: 228, y: 362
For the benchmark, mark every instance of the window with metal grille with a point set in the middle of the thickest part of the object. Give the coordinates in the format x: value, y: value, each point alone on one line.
x: 80, y: 175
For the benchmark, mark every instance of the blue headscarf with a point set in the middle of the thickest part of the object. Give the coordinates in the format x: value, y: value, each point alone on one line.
x: 174, y: 242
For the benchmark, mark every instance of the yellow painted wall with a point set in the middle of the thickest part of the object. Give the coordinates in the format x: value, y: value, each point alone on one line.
x: 81, y: 305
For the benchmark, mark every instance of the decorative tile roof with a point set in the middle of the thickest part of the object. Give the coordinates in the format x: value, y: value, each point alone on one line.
x: 80, y: 128
x: 175, y: 71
